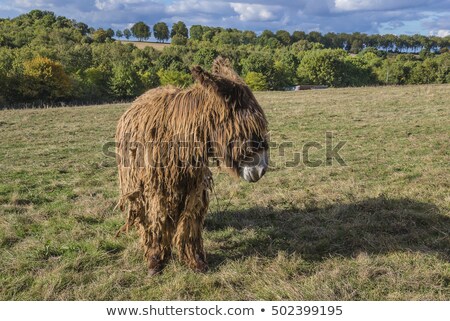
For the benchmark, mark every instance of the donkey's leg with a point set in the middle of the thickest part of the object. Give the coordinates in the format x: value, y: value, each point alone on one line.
x: 188, y: 237
x: 157, y: 238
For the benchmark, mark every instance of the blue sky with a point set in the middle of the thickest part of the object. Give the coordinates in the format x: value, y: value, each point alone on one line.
x: 427, y: 17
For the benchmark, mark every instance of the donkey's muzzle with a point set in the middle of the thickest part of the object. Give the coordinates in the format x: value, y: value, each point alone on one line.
x: 253, y: 171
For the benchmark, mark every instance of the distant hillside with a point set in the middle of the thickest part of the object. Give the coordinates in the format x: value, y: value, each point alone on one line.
x: 48, y: 59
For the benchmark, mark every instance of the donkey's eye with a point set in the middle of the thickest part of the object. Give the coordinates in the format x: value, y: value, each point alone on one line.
x: 258, y: 145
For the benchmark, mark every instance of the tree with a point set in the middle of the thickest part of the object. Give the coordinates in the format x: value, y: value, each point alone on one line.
x: 205, y: 57
x: 99, y: 35
x: 179, y: 40
x: 357, y: 46
x: 323, y: 67
x: 94, y: 83
x: 127, y: 33
x: 249, y: 37
x: 228, y: 37
x: 180, y: 29
x: 398, y: 70
x: 284, y: 37
x: 262, y: 63
x: 45, y: 79
x: 110, y: 33
x: 286, y: 64
x: 298, y: 35
x: 82, y: 27
x: 176, y: 78
x: 314, y: 36
x: 119, y: 34
x: 196, y: 32
x: 124, y: 82
x: 256, y: 81
x: 141, y: 31
x: 161, y: 31
x: 264, y: 37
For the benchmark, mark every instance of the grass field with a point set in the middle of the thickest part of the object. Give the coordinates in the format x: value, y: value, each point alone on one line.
x: 375, y: 229
x: 142, y: 44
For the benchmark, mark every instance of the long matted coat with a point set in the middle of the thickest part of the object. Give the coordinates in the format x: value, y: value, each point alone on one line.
x: 164, y: 142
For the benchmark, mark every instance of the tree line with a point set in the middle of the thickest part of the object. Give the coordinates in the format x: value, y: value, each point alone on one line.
x: 353, y: 43
x: 47, y: 58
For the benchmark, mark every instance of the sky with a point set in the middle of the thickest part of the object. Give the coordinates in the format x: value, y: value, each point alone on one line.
x: 427, y: 17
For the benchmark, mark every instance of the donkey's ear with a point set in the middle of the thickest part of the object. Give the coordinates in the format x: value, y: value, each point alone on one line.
x: 204, y: 78
x: 219, y: 84
x: 223, y: 66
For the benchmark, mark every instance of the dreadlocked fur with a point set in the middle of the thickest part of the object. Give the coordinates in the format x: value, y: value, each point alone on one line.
x: 164, y: 142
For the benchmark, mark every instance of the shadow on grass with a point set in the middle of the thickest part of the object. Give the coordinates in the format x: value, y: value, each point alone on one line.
x: 376, y: 225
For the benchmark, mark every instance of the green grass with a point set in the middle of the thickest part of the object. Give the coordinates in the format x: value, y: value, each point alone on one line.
x: 375, y: 229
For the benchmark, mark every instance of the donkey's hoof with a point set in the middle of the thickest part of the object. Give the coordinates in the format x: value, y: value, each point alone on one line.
x: 155, y: 266
x: 200, y: 264
x: 152, y: 272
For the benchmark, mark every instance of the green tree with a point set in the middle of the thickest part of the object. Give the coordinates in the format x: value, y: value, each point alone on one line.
x: 357, y: 72
x: 124, y: 82
x: 323, y: 67
x: 284, y: 37
x: 170, y: 61
x: 173, y: 77
x: 314, y: 36
x: 110, y: 33
x: 93, y: 84
x: 141, y: 31
x: 149, y: 79
x: 298, y: 35
x: 262, y: 63
x: 256, y: 81
x: 196, y: 32
x: 179, y: 29
x: 249, y: 37
x: 100, y: 35
x: 82, y: 28
x: 357, y: 46
x: 286, y: 64
x: 127, y: 33
x: 264, y: 37
x: 205, y: 57
x: 161, y: 31
x: 119, y: 34
x: 398, y: 70
x: 303, y: 45
x: 179, y: 40
x: 228, y: 37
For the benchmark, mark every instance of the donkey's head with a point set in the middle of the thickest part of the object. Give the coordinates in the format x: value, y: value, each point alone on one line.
x: 237, y: 126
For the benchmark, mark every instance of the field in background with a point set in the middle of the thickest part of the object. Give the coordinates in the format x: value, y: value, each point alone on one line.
x: 142, y: 44
x: 375, y: 229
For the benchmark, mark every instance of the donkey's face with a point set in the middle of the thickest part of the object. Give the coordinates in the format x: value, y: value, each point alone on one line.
x: 241, y: 134
x: 254, y: 161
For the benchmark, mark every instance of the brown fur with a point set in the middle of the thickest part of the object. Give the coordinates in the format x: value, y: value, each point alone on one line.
x: 166, y: 190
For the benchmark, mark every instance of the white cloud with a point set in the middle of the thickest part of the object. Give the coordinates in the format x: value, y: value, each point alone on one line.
x: 353, y: 5
x: 198, y: 6
x: 378, y: 5
x: 116, y: 4
x: 256, y: 12
x: 440, y: 33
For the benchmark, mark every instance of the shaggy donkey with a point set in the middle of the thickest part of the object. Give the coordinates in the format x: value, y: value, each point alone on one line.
x: 165, y: 141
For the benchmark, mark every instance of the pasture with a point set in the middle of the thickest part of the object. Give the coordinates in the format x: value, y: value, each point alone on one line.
x: 142, y: 44
x: 376, y: 228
